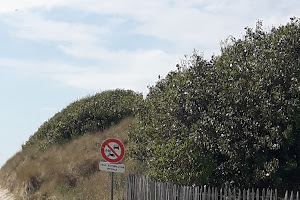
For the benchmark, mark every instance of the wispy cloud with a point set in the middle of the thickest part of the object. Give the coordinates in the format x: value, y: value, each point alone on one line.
x: 185, y: 24
x: 32, y: 26
x: 130, y: 70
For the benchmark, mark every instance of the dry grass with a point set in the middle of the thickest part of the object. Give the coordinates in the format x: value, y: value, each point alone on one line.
x: 67, y: 171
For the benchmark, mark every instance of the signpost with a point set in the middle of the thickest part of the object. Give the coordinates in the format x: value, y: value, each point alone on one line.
x: 113, y: 151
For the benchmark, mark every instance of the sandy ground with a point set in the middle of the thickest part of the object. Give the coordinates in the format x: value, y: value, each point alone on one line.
x: 4, y: 195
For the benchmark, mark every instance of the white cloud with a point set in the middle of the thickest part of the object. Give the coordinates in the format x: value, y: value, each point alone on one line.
x: 198, y: 23
x: 32, y: 26
x: 183, y: 24
x: 21, y: 5
x: 128, y: 70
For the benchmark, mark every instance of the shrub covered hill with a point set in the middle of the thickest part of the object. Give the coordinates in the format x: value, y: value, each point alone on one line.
x: 91, y: 114
x: 60, y: 161
x: 232, y: 120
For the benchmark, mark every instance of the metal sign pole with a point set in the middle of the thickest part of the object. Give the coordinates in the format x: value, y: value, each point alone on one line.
x: 112, y: 186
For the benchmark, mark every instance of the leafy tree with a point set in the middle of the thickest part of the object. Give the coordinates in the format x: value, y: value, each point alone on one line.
x: 162, y: 135
x: 257, y: 106
x: 232, y: 120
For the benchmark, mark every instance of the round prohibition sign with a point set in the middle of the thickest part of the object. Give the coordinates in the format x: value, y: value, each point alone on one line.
x: 112, y: 150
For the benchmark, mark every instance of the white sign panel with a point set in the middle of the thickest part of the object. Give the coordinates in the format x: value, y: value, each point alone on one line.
x: 110, y: 167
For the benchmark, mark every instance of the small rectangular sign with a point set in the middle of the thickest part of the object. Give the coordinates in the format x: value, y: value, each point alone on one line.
x: 111, y: 167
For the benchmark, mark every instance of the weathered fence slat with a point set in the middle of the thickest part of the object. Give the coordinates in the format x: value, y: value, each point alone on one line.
x: 200, y: 194
x: 216, y: 194
x: 229, y: 194
x: 244, y: 194
x: 292, y: 195
x: 286, y: 195
x: 257, y: 194
x: 221, y: 194
x: 204, y: 193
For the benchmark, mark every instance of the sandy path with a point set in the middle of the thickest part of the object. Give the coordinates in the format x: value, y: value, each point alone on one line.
x: 4, y: 195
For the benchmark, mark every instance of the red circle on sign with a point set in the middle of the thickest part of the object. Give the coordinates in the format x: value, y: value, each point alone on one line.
x: 112, y: 150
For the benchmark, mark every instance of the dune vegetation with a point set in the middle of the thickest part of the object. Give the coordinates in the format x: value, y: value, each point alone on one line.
x: 230, y: 121
x: 60, y: 160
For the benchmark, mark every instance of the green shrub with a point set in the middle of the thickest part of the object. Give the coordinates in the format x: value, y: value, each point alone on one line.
x: 90, y: 114
x: 232, y: 120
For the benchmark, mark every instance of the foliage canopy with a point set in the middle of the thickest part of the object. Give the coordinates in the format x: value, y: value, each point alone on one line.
x: 231, y: 120
x: 90, y: 114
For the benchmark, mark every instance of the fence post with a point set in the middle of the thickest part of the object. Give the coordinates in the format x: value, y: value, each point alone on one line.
x: 275, y: 195
x: 257, y: 194
x: 263, y: 194
x: 240, y: 195
x: 292, y: 196
x: 225, y: 193
x: 229, y: 194
x: 175, y: 193
x: 234, y: 194
x: 195, y: 193
x: 221, y: 194
x: 204, y: 193
x: 268, y: 194
x: 244, y: 194
x: 286, y: 195
x: 252, y: 194
x: 200, y: 193
x: 271, y: 195
x: 216, y: 193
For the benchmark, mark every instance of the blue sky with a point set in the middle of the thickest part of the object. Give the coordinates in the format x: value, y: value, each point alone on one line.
x: 54, y: 52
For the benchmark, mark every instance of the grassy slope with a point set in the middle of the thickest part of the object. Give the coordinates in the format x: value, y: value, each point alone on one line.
x: 67, y: 171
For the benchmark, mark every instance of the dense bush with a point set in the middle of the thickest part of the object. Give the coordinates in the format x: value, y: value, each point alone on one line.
x: 90, y: 114
x: 232, y: 120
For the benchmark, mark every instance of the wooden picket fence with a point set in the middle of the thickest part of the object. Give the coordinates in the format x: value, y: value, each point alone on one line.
x: 141, y: 188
